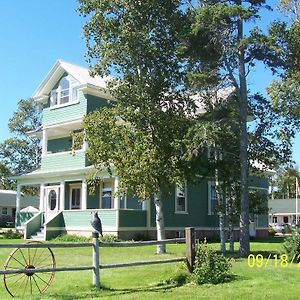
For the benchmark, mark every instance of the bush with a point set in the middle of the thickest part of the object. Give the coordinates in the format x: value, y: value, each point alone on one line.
x: 72, y: 238
x: 291, y: 246
x: 210, y: 267
x: 109, y: 238
x: 12, y: 234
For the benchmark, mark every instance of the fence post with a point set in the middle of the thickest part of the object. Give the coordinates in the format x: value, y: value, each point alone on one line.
x: 190, y: 247
x: 96, y: 270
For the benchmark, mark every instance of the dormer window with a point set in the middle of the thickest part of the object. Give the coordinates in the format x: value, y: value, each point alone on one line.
x: 64, y: 88
x: 64, y: 94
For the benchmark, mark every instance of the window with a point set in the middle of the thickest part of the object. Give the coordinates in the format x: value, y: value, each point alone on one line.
x: 4, y: 211
x: 75, y: 197
x: 64, y: 94
x: 274, y: 219
x: 180, y: 199
x: 52, y: 199
x: 106, y: 195
x: 212, y: 198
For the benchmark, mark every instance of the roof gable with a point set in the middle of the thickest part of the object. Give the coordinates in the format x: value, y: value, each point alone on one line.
x: 80, y: 74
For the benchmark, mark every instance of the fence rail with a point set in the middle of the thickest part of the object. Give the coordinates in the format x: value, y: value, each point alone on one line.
x: 96, y: 266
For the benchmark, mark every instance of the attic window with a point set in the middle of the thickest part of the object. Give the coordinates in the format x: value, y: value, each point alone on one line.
x: 65, y: 93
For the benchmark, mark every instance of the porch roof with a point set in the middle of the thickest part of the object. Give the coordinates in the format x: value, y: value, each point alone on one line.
x: 42, y: 175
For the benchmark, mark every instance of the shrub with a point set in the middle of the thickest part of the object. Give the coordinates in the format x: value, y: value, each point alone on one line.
x: 109, y: 238
x: 72, y: 238
x: 210, y: 267
x: 291, y: 245
x: 12, y: 234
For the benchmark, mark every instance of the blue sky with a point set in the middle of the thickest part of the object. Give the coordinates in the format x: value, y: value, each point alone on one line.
x: 35, y: 33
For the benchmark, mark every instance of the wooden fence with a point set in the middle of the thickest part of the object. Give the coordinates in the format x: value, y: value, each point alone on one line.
x: 96, y: 266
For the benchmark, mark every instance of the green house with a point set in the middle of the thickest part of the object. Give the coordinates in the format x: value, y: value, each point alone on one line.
x: 68, y: 93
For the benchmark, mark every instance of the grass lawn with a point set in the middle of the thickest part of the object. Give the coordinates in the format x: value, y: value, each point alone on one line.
x: 150, y: 282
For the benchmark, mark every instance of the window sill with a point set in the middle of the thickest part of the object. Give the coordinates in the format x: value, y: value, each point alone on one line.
x: 181, y: 212
x: 63, y: 105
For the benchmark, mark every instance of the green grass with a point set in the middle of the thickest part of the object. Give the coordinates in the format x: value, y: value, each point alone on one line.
x: 151, y: 282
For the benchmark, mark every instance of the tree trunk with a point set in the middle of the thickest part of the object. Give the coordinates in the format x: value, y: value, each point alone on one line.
x: 220, y: 201
x: 231, y: 237
x: 160, y: 225
x: 244, y: 215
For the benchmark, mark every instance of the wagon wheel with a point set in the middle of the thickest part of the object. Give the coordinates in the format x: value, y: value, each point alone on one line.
x: 25, y: 284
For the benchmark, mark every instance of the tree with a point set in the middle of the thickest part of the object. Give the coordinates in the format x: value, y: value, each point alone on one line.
x: 142, y: 134
x: 221, y: 52
x: 21, y: 153
x: 285, y: 91
x: 284, y: 184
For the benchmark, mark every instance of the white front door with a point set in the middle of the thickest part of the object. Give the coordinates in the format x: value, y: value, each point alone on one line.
x: 51, y: 202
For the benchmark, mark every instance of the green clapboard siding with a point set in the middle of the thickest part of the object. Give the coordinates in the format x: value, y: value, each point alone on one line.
x: 132, y: 218
x: 64, y: 160
x: 66, y: 113
x: 82, y: 219
x: 94, y: 103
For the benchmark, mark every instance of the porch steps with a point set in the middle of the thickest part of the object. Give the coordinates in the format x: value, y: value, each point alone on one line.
x: 39, y: 236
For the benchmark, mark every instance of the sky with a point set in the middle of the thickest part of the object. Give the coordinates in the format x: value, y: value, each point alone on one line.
x: 34, y: 34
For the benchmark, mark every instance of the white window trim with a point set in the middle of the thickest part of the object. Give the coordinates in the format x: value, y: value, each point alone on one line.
x: 4, y: 214
x: 185, y: 211
x: 73, y: 187
x: 101, y: 192
x: 58, y: 91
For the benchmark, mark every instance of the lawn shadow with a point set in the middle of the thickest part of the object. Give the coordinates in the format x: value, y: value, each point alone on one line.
x: 110, y: 292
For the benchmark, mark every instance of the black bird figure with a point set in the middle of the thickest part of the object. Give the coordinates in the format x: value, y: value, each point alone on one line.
x: 96, y: 223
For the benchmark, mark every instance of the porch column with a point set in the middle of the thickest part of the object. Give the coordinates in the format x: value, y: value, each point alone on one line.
x: 42, y: 197
x: 84, y: 195
x: 62, y: 196
x: 18, y: 199
x: 116, y: 196
x: 45, y: 142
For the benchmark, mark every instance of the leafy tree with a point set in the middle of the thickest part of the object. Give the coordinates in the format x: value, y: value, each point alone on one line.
x: 142, y: 134
x: 21, y: 153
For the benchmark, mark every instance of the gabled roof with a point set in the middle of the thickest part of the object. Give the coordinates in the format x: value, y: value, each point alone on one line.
x: 81, y: 74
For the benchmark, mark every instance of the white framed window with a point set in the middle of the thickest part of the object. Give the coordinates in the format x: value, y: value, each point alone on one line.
x: 75, y: 196
x: 64, y: 94
x: 106, y: 200
x: 181, y: 198
x: 52, y: 198
x: 274, y: 219
x: 212, y: 197
x: 4, y: 211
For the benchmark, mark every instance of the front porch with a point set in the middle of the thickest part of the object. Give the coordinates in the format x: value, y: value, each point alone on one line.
x: 114, y: 221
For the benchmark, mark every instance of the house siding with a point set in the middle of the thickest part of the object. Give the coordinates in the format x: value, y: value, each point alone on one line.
x: 82, y: 219
x: 132, y: 218
x: 75, y: 111
x: 63, y: 160
x: 94, y: 103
